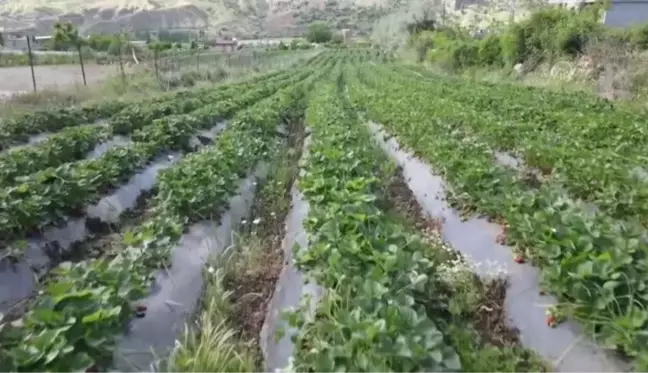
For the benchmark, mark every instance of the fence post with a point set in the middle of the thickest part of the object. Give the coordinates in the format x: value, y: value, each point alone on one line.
x: 81, y: 62
x: 31, y: 62
x: 155, y: 62
x: 121, y: 62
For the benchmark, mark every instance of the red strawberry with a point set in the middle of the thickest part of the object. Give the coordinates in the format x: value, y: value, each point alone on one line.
x: 140, y: 311
x: 519, y: 259
x: 551, y: 321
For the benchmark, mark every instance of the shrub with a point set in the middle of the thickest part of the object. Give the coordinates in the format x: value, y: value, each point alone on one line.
x: 465, y: 54
x: 319, y: 32
x: 422, y: 43
x: 490, y: 50
x: 637, y: 36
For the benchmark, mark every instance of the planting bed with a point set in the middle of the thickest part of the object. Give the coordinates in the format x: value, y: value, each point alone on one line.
x: 65, y: 205
x: 590, y: 256
x: 323, y: 219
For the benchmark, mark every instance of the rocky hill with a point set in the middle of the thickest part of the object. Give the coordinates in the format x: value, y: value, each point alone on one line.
x: 244, y: 18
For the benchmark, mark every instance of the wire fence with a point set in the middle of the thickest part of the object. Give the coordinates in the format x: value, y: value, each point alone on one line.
x: 64, y: 70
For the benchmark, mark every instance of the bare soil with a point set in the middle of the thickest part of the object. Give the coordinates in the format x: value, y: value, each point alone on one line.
x: 18, y: 79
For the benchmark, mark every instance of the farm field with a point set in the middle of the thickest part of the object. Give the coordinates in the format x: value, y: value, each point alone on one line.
x: 344, y: 214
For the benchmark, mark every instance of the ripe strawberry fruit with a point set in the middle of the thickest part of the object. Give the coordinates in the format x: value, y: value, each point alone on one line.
x: 551, y: 321
x: 140, y: 311
x: 519, y: 259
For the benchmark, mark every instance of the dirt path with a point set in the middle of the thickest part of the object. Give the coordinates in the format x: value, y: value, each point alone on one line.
x: 18, y: 79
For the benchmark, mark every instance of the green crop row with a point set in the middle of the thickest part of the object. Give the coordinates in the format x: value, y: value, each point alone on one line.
x: 16, y: 130
x: 376, y: 278
x: 74, y: 143
x: 539, y: 101
x: 596, y: 265
x: 85, y: 306
x: 47, y: 197
x: 68, y: 145
x: 591, y: 150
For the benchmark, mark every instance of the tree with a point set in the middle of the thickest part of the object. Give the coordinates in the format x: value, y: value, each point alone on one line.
x: 66, y: 36
x: 319, y: 32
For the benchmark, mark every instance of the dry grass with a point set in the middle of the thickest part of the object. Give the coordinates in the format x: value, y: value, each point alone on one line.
x: 135, y: 87
x: 142, y: 83
x: 607, y: 69
x: 213, y: 344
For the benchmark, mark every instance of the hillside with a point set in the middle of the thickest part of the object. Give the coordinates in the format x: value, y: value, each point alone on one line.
x: 246, y: 18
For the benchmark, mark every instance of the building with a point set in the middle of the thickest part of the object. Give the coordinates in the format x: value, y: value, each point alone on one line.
x: 622, y: 13
x: 346, y: 34
x: 19, y: 42
x: 224, y: 44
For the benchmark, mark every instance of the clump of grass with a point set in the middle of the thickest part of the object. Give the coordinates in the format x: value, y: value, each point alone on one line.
x: 213, y: 344
x: 241, y: 280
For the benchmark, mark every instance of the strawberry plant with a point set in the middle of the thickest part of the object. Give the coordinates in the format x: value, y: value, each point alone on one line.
x: 569, y: 142
x: 593, y: 262
x: 66, y: 146
x: 374, y: 276
x: 17, y: 130
x: 51, y: 195
x: 85, y: 306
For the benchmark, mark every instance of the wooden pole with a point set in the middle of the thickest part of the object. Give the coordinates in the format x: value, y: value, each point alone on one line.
x: 81, y: 62
x: 31, y: 62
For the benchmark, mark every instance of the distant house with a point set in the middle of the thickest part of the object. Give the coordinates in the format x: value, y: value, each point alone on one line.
x: 225, y: 45
x: 462, y: 4
x: 15, y: 41
x: 40, y: 41
x: 346, y: 34
x: 19, y: 42
x: 622, y: 13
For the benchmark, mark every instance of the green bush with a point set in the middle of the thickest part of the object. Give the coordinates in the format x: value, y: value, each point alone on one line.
x: 547, y: 34
x: 465, y: 54
x: 100, y: 42
x: 319, y: 32
x: 422, y: 43
x: 637, y: 36
x: 454, y: 54
x: 550, y: 33
x: 490, y: 50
